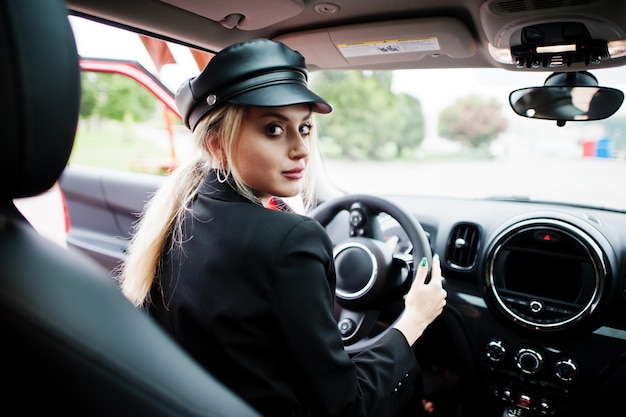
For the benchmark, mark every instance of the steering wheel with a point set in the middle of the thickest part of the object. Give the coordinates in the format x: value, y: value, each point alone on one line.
x: 373, y: 273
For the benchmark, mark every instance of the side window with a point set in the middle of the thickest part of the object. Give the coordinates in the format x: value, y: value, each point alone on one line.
x: 123, y: 126
x: 128, y: 118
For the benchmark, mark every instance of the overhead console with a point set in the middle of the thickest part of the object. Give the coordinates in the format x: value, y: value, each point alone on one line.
x: 555, y: 34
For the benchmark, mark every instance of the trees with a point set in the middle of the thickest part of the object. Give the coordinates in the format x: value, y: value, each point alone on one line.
x: 368, y: 121
x: 371, y: 122
x: 114, y: 97
x: 120, y: 125
x: 473, y: 121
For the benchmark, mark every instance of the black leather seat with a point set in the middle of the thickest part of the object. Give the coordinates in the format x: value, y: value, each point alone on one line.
x: 71, y: 343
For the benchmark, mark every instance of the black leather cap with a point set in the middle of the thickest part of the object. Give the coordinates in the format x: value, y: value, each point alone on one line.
x: 259, y: 72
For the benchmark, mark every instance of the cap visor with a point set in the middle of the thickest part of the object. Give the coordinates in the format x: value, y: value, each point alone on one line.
x: 282, y: 95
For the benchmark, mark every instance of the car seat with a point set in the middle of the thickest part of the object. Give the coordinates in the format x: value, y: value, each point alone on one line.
x: 71, y: 342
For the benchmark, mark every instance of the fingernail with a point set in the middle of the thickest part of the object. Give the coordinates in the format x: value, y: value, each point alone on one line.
x: 436, y: 256
x: 423, y: 262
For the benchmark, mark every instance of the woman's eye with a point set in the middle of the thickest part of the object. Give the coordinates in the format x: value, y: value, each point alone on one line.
x: 274, y: 130
x: 305, y: 130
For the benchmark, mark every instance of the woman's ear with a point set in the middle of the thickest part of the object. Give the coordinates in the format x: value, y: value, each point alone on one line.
x: 215, y: 148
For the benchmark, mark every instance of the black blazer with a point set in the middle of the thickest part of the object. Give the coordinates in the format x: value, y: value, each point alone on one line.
x: 250, y: 296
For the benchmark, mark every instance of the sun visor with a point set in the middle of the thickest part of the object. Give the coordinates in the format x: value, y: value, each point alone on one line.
x: 243, y: 14
x: 383, y: 43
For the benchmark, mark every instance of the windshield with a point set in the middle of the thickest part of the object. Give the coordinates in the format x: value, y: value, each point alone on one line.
x: 469, y: 143
x: 423, y: 132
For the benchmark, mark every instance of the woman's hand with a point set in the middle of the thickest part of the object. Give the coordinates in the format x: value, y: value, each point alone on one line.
x: 424, y: 301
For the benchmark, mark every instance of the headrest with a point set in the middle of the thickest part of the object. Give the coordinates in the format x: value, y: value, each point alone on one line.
x: 40, y: 93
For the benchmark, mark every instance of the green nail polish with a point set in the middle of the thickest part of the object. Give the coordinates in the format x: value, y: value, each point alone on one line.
x: 424, y: 262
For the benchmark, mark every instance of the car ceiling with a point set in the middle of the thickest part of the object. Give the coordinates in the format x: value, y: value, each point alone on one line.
x: 324, y: 30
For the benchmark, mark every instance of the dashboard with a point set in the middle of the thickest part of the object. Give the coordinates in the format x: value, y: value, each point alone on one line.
x: 536, y: 314
x: 536, y: 308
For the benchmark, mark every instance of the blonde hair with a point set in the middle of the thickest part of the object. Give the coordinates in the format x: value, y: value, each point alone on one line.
x: 162, y: 218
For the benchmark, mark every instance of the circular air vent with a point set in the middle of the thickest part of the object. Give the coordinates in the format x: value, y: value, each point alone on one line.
x: 545, y: 274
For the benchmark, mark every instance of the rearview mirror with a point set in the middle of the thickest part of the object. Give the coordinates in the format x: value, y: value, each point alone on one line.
x: 567, y: 96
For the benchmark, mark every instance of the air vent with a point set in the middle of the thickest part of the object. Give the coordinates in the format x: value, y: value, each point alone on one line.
x: 463, y: 246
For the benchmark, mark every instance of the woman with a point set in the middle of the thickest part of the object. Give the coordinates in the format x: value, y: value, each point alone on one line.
x: 249, y: 291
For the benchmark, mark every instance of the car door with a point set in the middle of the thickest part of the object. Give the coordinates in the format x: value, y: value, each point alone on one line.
x: 121, y: 156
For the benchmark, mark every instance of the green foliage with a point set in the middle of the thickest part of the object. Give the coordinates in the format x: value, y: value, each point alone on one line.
x: 121, y: 126
x: 89, y: 95
x: 115, y: 97
x: 473, y: 121
x: 368, y: 120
